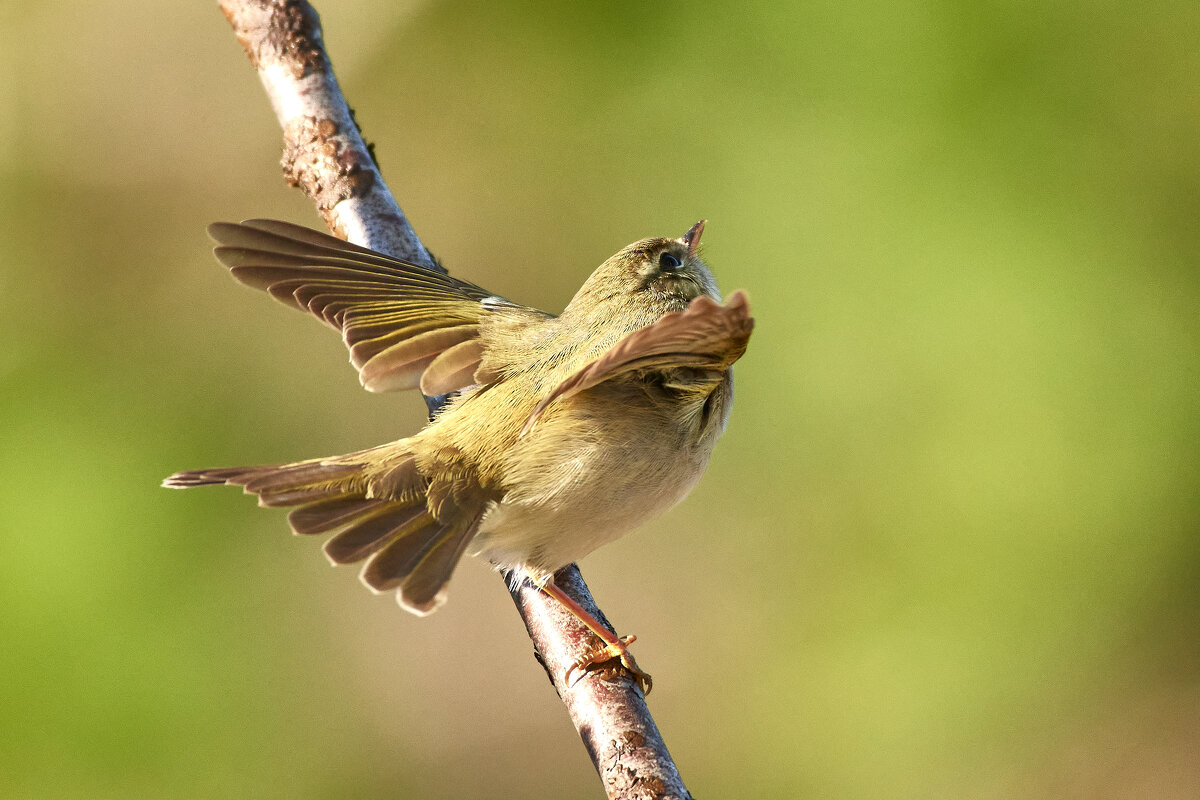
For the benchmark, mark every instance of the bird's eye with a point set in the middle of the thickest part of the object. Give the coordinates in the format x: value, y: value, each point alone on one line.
x: 669, y: 262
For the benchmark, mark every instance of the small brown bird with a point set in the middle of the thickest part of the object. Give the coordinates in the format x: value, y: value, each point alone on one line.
x: 564, y: 433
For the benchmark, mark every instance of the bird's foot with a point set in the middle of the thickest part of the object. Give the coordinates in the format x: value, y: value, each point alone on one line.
x: 605, y: 652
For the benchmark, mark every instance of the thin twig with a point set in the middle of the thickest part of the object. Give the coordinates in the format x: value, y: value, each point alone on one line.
x: 326, y: 157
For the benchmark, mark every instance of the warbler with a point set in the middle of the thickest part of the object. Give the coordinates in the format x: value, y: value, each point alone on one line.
x: 561, y: 433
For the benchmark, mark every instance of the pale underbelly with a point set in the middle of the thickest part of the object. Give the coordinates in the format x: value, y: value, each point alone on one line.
x: 570, y: 508
x: 609, y: 460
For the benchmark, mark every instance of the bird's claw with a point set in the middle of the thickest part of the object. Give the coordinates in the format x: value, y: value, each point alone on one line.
x: 604, y: 653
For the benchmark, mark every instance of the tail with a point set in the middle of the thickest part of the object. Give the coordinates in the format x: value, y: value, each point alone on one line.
x: 383, y: 517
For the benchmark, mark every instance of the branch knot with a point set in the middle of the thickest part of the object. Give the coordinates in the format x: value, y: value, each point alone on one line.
x: 318, y: 159
x: 278, y: 32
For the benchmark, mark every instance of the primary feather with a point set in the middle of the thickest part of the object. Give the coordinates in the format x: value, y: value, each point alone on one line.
x: 396, y: 318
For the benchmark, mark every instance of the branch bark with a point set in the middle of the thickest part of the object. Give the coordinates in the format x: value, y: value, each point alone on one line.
x: 325, y: 156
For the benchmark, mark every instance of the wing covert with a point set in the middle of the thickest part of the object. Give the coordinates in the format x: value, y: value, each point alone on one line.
x: 705, y: 336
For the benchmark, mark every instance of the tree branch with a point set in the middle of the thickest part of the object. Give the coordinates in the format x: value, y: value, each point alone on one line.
x: 325, y: 156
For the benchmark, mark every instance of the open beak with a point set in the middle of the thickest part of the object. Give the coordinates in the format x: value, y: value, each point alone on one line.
x: 692, y: 237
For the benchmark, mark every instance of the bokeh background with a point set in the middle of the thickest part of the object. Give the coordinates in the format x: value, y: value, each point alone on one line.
x: 947, y: 548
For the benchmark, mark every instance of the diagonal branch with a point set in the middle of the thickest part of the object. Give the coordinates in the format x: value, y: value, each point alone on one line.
x: 325, y: 156
x: 323, y: 152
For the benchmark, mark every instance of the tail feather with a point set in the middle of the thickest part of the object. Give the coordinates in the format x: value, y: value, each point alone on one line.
x: 269, y: 481
x: 326, y: 515
x: 419, y: 562
x: 286, y: 498
x: 202, y: 477
x: 423, y: 591
x: 386, y: 520
x: 366, y: 536
x: 290, y: 477
x: 390, y: 565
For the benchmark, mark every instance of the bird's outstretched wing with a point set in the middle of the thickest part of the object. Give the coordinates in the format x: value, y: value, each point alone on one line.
x: 406, y: 326
x: 707, y: 336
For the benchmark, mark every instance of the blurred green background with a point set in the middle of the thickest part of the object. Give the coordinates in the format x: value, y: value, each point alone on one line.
x: 947, y: 548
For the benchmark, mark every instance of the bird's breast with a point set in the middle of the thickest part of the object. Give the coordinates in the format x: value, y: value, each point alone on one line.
x: 598, y: 466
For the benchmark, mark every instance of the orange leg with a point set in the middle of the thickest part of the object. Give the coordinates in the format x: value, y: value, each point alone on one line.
x: 611, y: 647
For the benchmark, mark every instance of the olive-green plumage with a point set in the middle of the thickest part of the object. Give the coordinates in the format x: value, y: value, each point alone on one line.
x: 565, y: 433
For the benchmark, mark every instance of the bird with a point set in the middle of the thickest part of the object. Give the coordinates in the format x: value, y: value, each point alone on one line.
x: 558, y: 433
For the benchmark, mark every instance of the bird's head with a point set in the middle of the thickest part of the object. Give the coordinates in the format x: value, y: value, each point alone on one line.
x: 659, y: 273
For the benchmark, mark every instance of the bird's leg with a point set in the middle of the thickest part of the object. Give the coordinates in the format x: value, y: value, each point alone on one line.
x: 611, y: 646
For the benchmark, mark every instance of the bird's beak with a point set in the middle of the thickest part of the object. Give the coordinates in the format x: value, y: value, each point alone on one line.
x: 692, y: 237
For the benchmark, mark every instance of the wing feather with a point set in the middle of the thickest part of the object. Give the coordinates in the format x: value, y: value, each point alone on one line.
x: 706, y: 336
x: 396, y: 318
x: 400, y: 365
x: 453, y: 368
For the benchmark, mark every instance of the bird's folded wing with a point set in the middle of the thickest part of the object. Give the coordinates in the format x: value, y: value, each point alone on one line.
x: 706, y: 336
x: 406, y: 326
